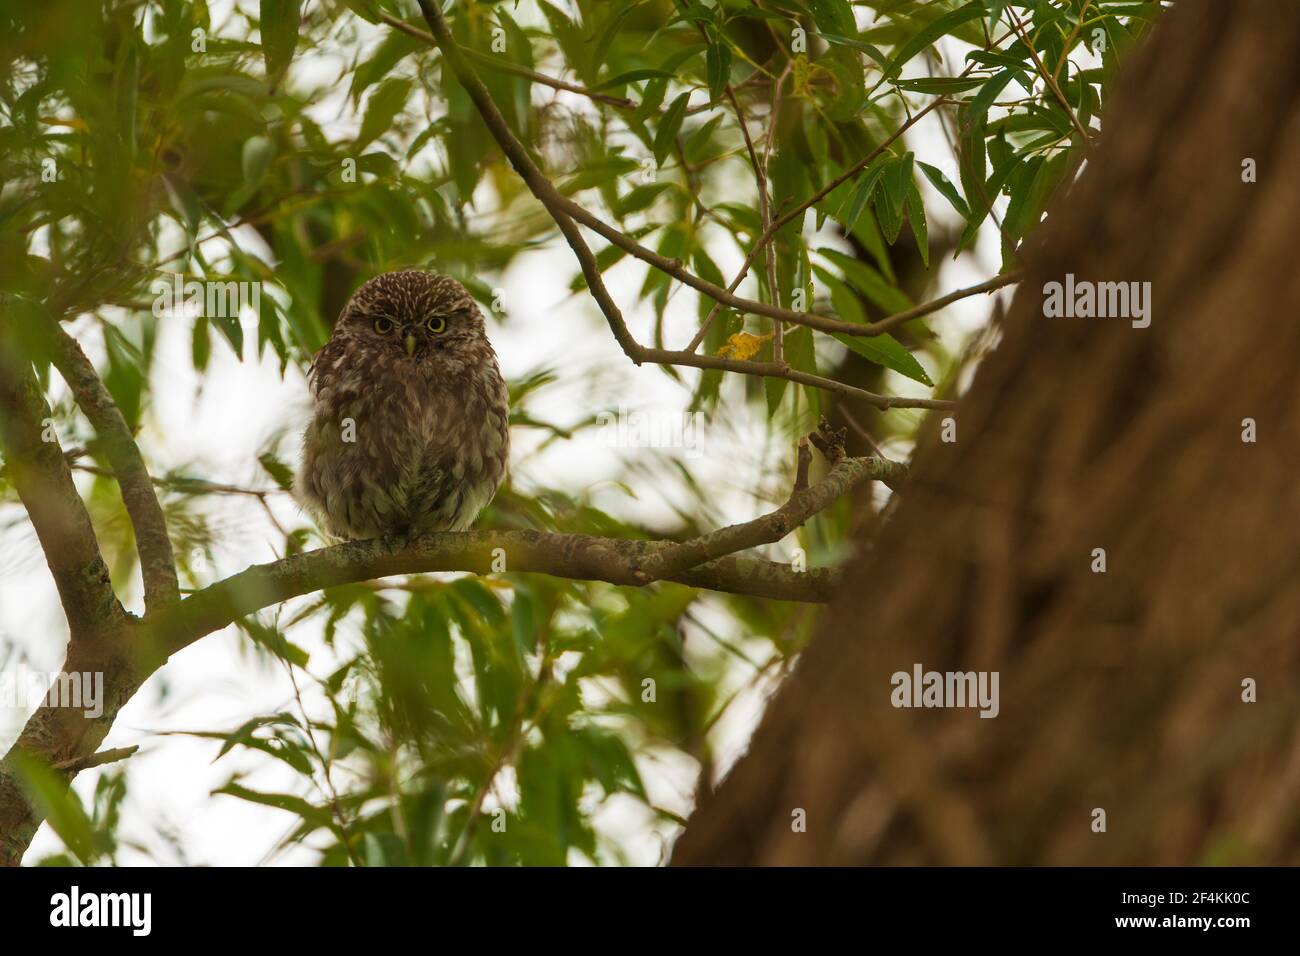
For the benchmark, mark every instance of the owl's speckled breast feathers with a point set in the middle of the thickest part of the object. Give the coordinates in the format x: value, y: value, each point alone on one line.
x: 409, y: 428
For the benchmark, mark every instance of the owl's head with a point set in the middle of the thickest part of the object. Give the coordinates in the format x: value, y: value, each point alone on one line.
x: 411, y: 315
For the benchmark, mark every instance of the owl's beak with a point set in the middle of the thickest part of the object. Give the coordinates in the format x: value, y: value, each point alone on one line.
x: 409, y: 342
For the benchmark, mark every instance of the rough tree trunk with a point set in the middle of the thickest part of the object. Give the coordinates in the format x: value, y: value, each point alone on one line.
x: 1119, y: 690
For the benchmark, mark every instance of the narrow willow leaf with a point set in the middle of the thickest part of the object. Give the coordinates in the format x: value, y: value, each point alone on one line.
x: 278, y: 21
x: 982, y: 209
x: 310, y: 813
x: 860, y: 197
x: 868, y: 281
x: 866, y: 186
x: 669, y: 126
x: 384, y: 105
x: 833, y: 16
x: 940, y: 84
x: 856, y: 44
x: 255, y: 158
x: 200, y: 344
x: 718, y: 64
x: 929, y: 34
x: 887, y: 351
x: 916, y: 218
x: 1019, y: 188
x: 280, y: 473
x: 894, y: 183
x: 978, y: 107
x: 946, y: 189
x: 639, y: 198
x: 633, y: 76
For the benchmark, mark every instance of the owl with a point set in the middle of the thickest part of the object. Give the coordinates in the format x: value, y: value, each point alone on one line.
x: 409, y: 412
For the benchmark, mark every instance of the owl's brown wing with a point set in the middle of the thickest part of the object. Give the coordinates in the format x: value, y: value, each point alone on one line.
x: 327, y: 360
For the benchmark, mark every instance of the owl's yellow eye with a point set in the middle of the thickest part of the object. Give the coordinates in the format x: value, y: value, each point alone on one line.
x: 436, y: 324
x: 383, y: 326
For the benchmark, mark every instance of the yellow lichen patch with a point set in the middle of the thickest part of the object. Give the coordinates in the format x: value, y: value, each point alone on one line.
x: 743, y: 345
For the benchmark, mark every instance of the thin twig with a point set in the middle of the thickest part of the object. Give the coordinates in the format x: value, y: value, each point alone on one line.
x: 801, y: 466
x: 196, y: 486
x: 332, y: 795
x: 514, y: 69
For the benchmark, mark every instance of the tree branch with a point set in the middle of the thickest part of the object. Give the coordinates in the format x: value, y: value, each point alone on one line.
x: 846, y: 475
x: 40, y: 475
x: 934, y: 305
x: 575, y: 556
x: 782, y: 370
x: 157, y: 564
x: 707, y: 561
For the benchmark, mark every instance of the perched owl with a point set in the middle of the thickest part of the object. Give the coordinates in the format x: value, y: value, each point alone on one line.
x: 409, y: 422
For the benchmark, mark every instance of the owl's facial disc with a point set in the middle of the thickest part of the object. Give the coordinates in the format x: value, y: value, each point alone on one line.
x: 415, y: 315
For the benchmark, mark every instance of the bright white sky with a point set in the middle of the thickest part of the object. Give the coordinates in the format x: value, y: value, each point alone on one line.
x: 216, y: 428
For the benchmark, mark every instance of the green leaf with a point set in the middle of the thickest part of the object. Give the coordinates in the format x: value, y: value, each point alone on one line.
x: 869, y: 282
x: 916, y: 218
x: 255, y: 158
x: 718, y: 64
x: 885, y: 350
x: 572, y: 39
x: 632, y: 76
x: 314, y: 815
x: 862, y: 192
x: 833, y: 16
x: 930, y: 33
x: 385, y: 103
x: 268, y: 330
x: 639, y: 198
x: 232, y: 331
x: 894, y: 182
x: 669, y: 126
x: 978, y: 107
x: 991, y: 190
x: 940, y: 84
x: 1018, y: 188
x: 856, y: 44
x: 61, y: 808
x: 273, y: 640
x: 945, y: 187
x: 860, y: 197
x: 200, y: 344
x: 280, y: 473
x: 278, y: 21
x: 365, y: 9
